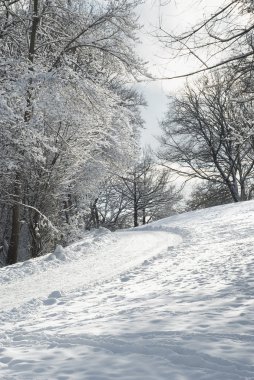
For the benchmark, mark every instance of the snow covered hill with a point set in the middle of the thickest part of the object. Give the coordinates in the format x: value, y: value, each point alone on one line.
x: 173, y: 300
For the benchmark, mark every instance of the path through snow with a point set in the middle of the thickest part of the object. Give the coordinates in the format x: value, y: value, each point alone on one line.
x: 171, y: 301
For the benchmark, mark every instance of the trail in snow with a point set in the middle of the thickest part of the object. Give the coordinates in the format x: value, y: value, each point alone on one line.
x: 90, y: 264
x: 171, y: 301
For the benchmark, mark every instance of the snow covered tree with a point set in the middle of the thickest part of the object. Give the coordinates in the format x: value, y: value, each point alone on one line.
x: 62, y: 64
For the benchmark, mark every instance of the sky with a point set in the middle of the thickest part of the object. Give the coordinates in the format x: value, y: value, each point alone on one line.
x: 176, y: 15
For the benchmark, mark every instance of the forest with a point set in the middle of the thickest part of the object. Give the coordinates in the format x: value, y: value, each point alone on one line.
x: 70, y: 125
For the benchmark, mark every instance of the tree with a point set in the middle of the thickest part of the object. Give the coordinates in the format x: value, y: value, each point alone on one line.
x: 208, y: 194
x: 62, y: 65
x: 148, y: 190
x: 111, y: 208
x: 208, y: 131
x: 222, y: 37
x: 139, y: 196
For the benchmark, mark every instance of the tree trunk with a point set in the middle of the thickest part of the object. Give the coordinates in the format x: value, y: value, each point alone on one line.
x: 96, y: 214
x: 94, y: 218
x: 243, y: 192
x: 135, y: 216
x: 35, y: 247
x: 234, y: 191
x: 12, y: 255
x: 135, y: 206
x: 27, y: 116
x: 144, y: 216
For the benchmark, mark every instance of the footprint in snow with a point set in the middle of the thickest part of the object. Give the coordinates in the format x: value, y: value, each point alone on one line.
x: 125, y: 279
x: 52, y: 298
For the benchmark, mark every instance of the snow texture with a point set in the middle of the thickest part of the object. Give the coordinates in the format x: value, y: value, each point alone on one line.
x: 172, y: 301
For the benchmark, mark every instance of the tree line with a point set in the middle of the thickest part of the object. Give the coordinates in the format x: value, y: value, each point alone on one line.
x: 208, y: 129
x: 70, y: 124
x: 65, y: 104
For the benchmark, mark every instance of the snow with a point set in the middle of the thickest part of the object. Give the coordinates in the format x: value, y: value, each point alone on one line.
x: 173, y: 300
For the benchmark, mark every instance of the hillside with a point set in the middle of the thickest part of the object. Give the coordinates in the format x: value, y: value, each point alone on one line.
x: 173, y: 300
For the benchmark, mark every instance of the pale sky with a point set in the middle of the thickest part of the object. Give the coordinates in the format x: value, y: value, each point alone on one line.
x: 175, y: 15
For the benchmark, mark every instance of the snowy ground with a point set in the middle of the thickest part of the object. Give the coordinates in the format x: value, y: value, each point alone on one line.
x: 172, y: 301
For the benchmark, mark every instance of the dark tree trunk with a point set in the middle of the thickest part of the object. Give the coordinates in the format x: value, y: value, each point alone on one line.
x: 144, y: 216
x: 135, y: 216
x: 135, y: 205
x: 12, y: 255
x: 35, y: 247
x: 31, y: 53
x: 96, y: 214
x: 15, y: 231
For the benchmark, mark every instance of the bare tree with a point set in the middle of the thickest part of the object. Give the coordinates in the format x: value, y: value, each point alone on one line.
x: 148, y: 191
x: 208, y: 132
x: 222, y: 37
x: 208, y: 194
x: 141, y: 195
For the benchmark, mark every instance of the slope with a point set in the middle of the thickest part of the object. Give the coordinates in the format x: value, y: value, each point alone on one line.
x: 171, y: 300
